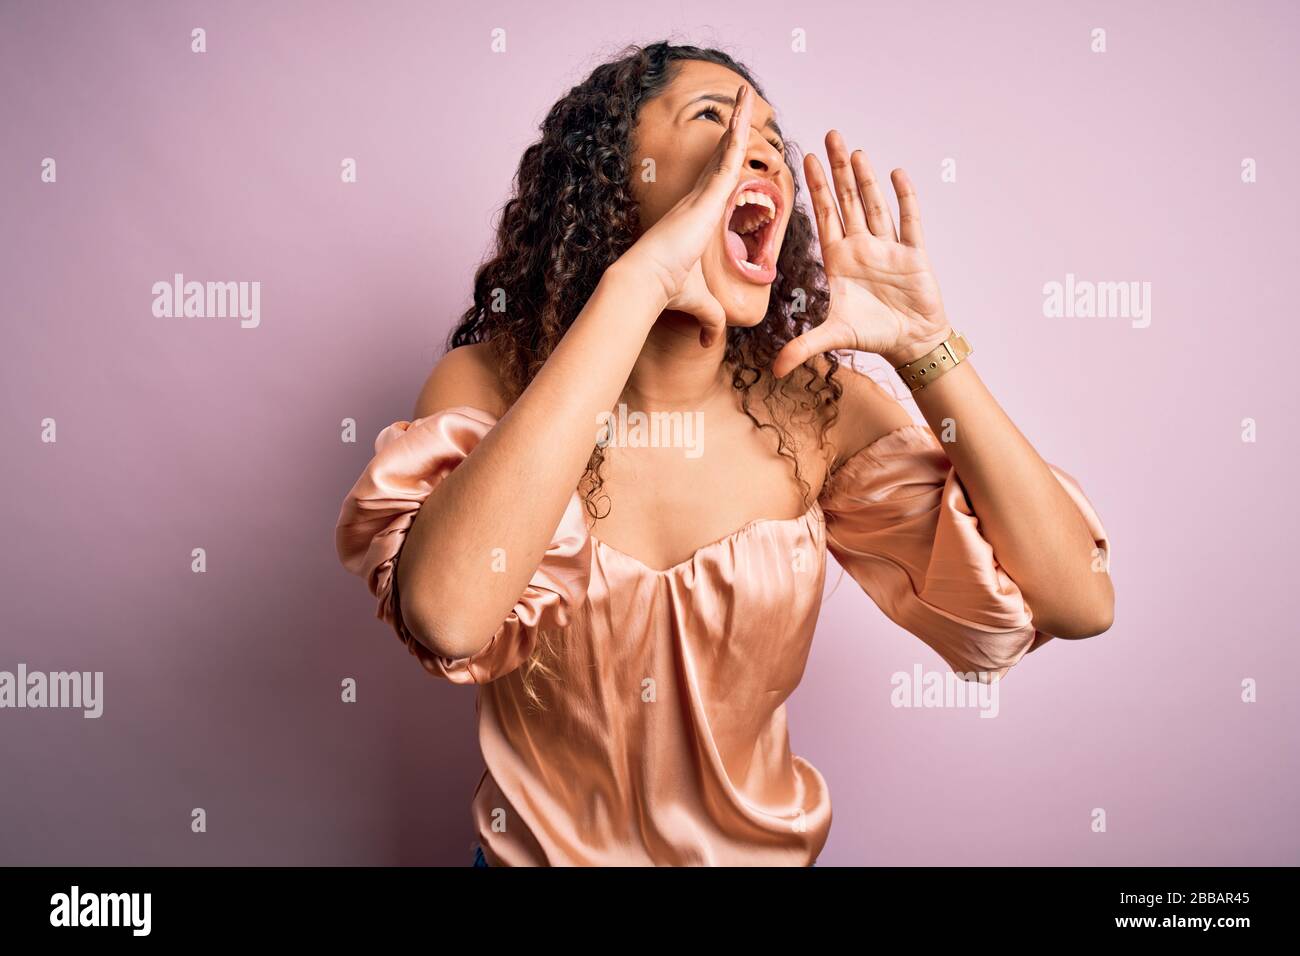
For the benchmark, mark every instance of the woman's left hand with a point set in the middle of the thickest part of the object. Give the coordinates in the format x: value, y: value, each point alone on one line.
x: 884, y: 297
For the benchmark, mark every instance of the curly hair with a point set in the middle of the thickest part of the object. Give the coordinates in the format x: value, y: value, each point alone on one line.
x: 573, y: 213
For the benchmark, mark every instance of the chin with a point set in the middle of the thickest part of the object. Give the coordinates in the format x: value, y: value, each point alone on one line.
x: 745, y: 303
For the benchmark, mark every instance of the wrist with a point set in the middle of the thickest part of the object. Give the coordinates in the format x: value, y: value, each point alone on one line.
x: 913, y: 349
x: 632, y: 277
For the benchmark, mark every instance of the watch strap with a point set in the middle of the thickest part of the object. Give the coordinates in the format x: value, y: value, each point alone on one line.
x: 921, y: 371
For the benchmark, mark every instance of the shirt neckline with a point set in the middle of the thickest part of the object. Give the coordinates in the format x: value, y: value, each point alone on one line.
x: 814, y: 512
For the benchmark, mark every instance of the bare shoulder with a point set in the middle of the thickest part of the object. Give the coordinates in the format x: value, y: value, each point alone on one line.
x: 467, y: 375
x: 867, y: 411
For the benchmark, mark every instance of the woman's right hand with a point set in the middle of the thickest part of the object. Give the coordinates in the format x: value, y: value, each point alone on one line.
x: 672, y: 247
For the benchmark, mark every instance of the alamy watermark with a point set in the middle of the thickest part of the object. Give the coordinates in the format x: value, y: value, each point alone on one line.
x: 977, y: 690
x: 1082, y: 298
x: 76, y: 908
x: 624, y: 429
x: 208, y: 300
x: 71, y: 689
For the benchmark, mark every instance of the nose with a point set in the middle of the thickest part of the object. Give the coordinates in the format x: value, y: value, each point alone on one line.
x: 760, y: 155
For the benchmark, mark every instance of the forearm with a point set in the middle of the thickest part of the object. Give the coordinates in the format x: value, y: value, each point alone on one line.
x: 512, y: 491
x: 1034, y: 527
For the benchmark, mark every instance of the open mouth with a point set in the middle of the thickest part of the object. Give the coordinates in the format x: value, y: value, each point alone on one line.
x: 750, y: 234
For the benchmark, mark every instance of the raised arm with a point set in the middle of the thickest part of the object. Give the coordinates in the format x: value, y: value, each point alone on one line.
x: 885, y: 299
x: 512, y: 491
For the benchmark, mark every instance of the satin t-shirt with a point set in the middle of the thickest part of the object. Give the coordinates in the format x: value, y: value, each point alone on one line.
x: 664, y: 738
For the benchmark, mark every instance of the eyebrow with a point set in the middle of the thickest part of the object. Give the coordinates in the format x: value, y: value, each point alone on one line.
x: 731, y: 101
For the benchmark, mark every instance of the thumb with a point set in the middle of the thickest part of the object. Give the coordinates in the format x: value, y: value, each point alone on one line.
x: 712, y: 318
x: 823, y: 338
x: 722, y: 173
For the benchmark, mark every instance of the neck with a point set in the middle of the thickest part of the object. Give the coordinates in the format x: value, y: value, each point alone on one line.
x: 674, y: 371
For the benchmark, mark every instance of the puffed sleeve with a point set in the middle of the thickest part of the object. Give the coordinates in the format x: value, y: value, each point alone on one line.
x: 411, y: 459
x: 899, y: 522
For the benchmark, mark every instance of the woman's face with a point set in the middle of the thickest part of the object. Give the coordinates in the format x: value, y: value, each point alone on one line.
x: 679, y: 129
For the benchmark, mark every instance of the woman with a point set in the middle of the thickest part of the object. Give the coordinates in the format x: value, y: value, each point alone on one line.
x: 636, y: 614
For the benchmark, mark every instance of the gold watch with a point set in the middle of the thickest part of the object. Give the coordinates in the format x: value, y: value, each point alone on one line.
x: 920, y: 372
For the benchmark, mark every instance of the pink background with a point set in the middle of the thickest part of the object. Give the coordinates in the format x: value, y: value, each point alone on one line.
x: 222, y: 689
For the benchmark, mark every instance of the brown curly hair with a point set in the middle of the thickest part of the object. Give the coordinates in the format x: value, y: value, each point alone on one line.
x: 573, y: 213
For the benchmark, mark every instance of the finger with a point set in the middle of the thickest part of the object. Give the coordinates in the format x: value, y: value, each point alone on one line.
x: 846, y: 187
x: 879, y: 218
x: 713, y: 321
x: 823, y: 201
x: 823, y: 338
x: 733, y: 146
x: 909, y: 210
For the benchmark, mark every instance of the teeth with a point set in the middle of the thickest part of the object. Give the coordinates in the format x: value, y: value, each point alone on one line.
x: 752, y: 267
x: 761, y: 199
x: 764, y: 212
